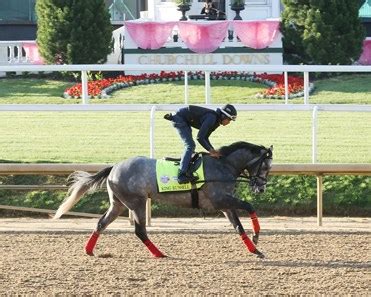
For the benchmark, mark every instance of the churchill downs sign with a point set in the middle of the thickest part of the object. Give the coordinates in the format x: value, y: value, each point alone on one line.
x: 208, y: 59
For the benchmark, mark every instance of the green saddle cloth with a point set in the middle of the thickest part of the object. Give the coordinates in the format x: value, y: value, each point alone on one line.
x: 167, y: 174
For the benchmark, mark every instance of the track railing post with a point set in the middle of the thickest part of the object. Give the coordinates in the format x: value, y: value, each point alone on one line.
x: 306, y: 87
x: 131, y: 219
x: 286, y: 78
x: 319, y: 199
x: 84, y: 84
x: 207, y: 88
x: 314, y: 134
x: 152, y: 133
x: 186, y: 89
x: 152, y: 155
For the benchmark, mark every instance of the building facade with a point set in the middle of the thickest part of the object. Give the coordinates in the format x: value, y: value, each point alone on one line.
x: 18, y: 19
x: 18, y: 23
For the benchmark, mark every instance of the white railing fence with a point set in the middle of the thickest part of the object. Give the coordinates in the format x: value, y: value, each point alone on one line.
x: 207, y: 69
x: 315, y: 109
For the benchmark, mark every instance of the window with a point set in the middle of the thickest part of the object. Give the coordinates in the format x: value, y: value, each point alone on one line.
x: 121, y: 10
x: 17, y: 11
x: 365, y: 11
x: 23, y: 11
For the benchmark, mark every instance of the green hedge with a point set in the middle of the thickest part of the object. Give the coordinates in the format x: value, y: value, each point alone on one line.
x: 285, y: 195
x: 297, y: 195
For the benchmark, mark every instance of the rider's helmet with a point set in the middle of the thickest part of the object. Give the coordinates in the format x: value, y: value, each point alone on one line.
x: 229, y: 111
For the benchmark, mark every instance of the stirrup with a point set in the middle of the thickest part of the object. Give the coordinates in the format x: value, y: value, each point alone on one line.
x: 184, y: 179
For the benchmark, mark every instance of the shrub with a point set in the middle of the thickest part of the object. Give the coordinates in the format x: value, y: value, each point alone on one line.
x: 297, y: 195
x: 73, y: 32
x: 322, y: 31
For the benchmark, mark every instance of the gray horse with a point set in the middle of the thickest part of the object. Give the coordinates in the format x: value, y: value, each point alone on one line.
x: 130, y: 182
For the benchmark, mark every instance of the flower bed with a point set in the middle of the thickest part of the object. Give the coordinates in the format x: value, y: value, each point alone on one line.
x: 103, y: 87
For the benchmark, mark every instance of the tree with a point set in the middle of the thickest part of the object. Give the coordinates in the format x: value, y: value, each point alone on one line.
x: 73, y: 31
x: 322, y: 31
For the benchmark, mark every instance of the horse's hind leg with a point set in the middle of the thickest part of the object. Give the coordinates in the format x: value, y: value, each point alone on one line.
x: 111, y: 214
x: 233, y: 218
x: 141, y: 231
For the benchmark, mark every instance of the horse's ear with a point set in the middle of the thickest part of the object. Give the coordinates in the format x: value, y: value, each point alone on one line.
x: 269, y: 152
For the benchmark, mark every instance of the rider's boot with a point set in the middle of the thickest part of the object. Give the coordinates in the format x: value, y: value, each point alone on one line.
x: 183, y: 178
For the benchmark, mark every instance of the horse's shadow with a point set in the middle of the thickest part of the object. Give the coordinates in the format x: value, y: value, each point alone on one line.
x: 273, y: 263
x: 306, y: 263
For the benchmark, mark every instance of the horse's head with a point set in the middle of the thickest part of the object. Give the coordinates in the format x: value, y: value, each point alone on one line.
x: 250, y: 160
x: 259, y: 168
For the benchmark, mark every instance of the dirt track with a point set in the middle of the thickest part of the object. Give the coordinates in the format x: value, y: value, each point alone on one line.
x: 301, y: 261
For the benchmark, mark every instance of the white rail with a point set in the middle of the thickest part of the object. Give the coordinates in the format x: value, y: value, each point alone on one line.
x: 306, y: 69
x: 172, y: 107
x: 212, y: 68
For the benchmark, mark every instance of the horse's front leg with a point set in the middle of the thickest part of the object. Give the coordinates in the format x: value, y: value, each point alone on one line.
x: 235, y: 203
x: 233, y: 218
x: 255, y: 225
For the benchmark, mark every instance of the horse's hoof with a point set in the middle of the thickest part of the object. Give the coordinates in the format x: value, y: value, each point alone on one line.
x: 259, y: 254
x: 255, y: 238
x: 89, y: 253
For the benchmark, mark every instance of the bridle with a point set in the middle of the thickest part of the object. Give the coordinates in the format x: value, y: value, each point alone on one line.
x: 253, y: 179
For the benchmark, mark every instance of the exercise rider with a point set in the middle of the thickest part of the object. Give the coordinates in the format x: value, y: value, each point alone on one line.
x: 206, y: 121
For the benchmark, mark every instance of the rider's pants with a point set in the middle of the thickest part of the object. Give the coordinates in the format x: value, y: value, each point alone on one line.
x: 185, y: 132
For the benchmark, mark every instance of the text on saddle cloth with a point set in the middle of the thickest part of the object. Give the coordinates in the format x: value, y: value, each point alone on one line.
x: 167, y: 177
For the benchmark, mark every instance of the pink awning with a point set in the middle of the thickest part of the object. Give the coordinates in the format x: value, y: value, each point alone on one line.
x: 365, y: 58
x: 203, y: 37
x: 32, y: 53
x: 149, y: 35
x: 256, y: 34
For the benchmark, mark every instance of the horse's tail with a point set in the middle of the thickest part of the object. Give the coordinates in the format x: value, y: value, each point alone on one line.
x: 81, y: 183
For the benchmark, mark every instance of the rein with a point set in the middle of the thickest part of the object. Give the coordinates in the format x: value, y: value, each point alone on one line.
x: 251, y: 179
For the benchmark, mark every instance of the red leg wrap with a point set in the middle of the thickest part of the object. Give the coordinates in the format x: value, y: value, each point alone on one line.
x: 249, y: 244
x: 153, y: 249
x: 255, y: 222
x: 89, y: 247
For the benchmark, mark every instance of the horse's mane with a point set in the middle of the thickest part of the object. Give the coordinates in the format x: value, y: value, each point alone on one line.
x: 228, y: 149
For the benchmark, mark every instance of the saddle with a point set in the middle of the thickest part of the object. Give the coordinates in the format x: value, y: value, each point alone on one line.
x: 195, y: 163
x: 195, y: 166
x: 167, y: 175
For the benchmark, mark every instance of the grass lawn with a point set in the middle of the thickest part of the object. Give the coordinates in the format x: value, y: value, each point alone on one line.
x: 33, y: 91
x: 113, y: 136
